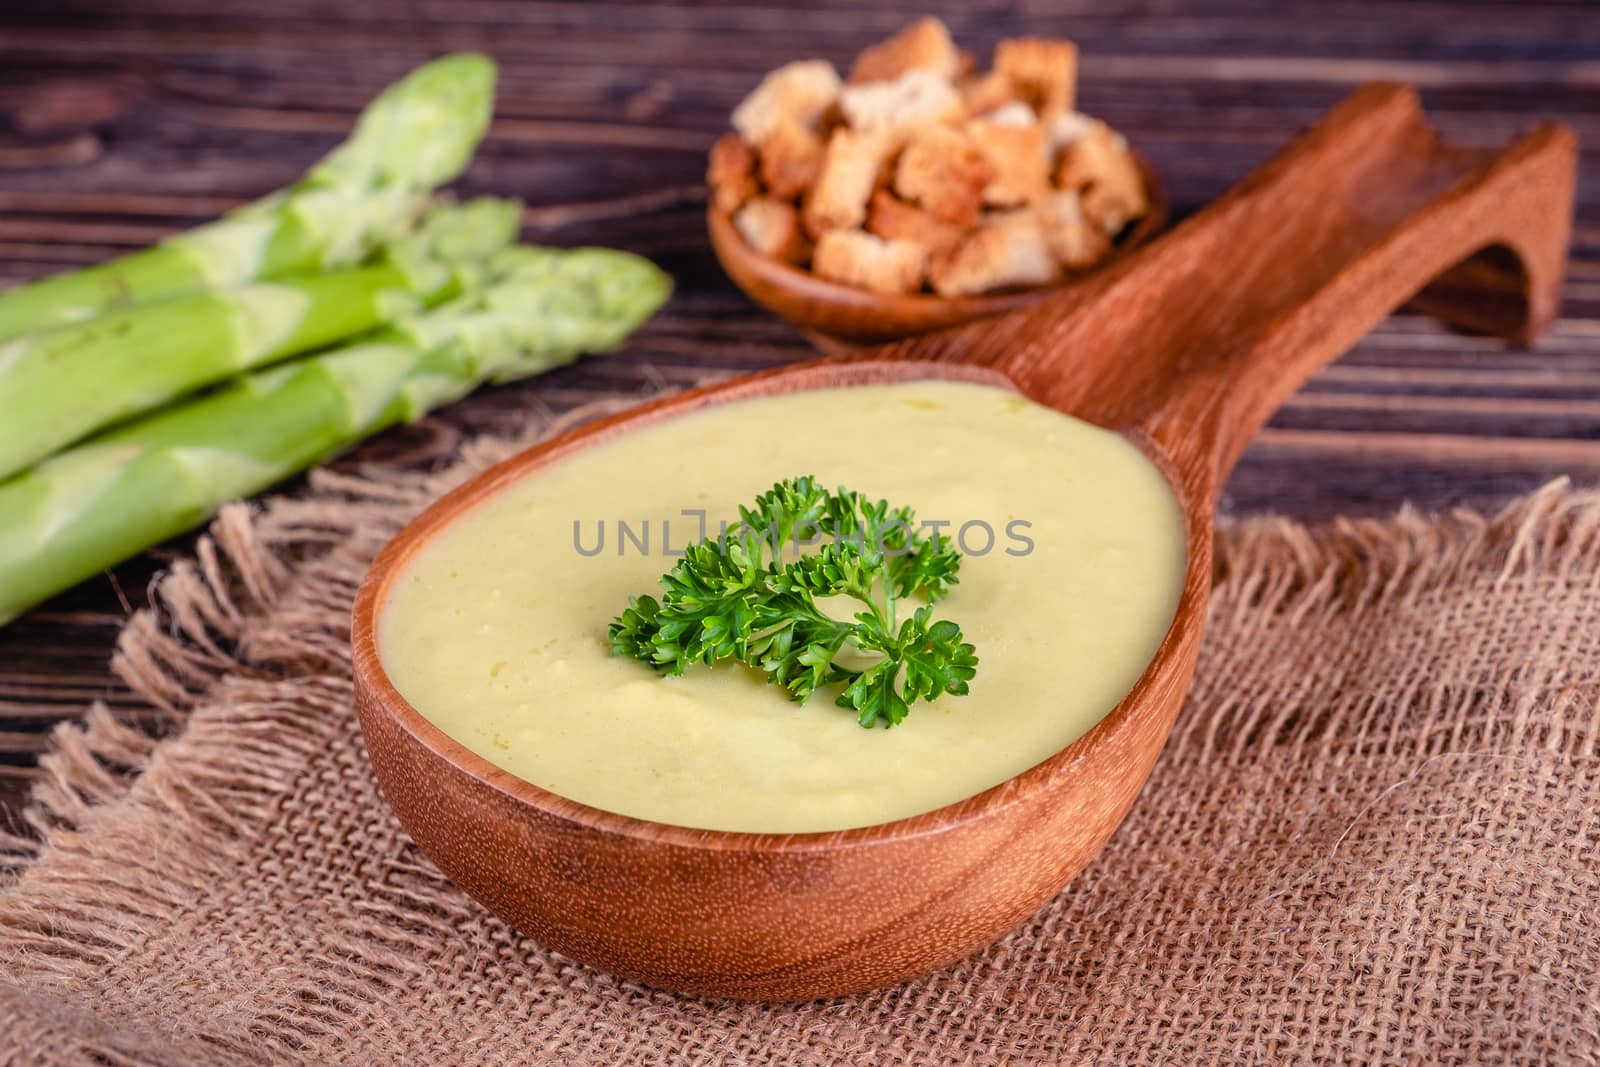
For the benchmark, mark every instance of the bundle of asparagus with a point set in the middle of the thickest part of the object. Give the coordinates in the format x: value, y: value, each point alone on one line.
x: 123, y: 491
x: 417, y: 135
x: 53, y: 384
x: 421, y: 301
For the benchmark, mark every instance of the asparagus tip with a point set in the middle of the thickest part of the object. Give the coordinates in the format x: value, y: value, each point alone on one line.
x: 421, y: 131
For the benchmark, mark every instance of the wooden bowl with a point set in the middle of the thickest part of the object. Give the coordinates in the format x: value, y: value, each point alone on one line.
x: 857, y: 316
x: 1185, y: 347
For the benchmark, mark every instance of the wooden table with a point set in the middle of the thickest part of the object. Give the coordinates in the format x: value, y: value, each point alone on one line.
x: 123, y: 120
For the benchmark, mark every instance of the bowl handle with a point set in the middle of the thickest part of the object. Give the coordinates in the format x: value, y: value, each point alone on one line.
x: 1196, y: 339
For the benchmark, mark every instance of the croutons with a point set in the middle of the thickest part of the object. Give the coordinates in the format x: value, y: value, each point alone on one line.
x: 869, y: 262
x: 791, y: 157
x: 895, y: 220
x: 731, y: 172
x: 849, y: 173
x: 945, y: 172
x: 925, y: 173
x: 1074, y: 241
x: 986, y: 92
x: 772, y: 227
x: 1065, y: 128
x: 1015, y: 113
x: 916, y: 98
x: 1103, y: 171
x: 1006, y: 251
x: 1045, y: 72
x: 923, y: 45
x: 799, y: 92
x: 1017, y: 154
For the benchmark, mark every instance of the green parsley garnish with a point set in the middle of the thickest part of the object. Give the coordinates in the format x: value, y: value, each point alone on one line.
x: 735, y: 597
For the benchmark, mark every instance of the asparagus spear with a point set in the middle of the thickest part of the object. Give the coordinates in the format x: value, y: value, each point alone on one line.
x: 418, y: 134
x: 57, y: 386
x: 117, y: 494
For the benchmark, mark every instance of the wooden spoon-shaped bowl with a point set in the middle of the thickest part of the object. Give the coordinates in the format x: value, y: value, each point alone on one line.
x: 832, y: 311
x: 1185, y: 347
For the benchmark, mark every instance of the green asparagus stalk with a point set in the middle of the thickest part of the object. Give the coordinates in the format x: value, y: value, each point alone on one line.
x: 96, y: 504
x: 58, y: 386
x: 418, y: 134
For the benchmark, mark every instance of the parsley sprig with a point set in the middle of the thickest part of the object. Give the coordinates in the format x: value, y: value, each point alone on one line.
x: 737, y: 597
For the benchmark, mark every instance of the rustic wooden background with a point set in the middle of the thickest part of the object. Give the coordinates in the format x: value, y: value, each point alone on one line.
x: 123, y: 120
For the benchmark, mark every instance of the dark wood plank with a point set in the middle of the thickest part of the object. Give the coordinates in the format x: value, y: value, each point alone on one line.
x: 122, y: 120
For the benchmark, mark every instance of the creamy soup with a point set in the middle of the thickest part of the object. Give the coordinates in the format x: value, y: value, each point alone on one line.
x: 1073, y: 545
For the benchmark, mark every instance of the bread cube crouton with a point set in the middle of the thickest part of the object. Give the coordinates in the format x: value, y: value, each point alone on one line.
x: 923, y: 45
x: 943, y: 170
x: 849, y: 173
x: 731, y: 172
x: 1065, y: 128
x: 831, y: 119
x: 1075, y: 242
x: 987, y: 92
x: 888, y: 165
x: 772, y: 227
x: 917, y: 98
x: 1017, y: 154
x: 1007, y: 250
x: 1100, y: 167
x: 790, y: 159
x: 1045, y: 72
x: 869, y: 262
x: 1015, y: 113
x: 895, y: 220
x: 799, y: 92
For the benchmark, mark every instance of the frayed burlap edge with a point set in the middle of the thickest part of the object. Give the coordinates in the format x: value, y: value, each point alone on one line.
x: 200, y: 631
x: 296, y: 561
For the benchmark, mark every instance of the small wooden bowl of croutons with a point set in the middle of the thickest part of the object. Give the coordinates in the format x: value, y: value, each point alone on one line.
x: 918, y: 193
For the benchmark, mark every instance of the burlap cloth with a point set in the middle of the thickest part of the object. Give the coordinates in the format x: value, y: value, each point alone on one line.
x: 1372, y: 837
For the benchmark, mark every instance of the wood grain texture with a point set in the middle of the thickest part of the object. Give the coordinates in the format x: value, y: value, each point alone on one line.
x: 1186, y: 346
x: 605, y: 113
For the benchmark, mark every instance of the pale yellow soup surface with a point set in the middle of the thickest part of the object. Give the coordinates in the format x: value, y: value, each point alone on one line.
x: 496, y: 631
